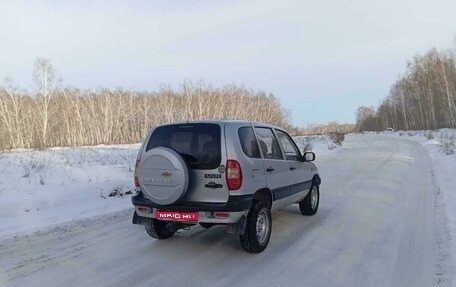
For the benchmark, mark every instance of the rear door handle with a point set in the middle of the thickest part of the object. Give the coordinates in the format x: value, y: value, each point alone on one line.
x: 270, y: 169
x: 292, y: 168
x: 213, y: 185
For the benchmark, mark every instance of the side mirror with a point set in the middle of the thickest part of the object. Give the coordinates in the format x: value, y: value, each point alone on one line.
x: 308, y: 156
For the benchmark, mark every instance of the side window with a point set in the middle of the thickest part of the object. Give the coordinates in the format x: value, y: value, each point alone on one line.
x: 268, y: 144
x: 249, y: 143
x: 290, y: 148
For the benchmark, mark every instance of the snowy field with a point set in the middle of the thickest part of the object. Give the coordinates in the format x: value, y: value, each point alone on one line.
x: 43, y: 188
x: 387, y: 218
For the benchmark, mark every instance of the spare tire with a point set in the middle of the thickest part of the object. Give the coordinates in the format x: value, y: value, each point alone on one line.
x: 163, y: 175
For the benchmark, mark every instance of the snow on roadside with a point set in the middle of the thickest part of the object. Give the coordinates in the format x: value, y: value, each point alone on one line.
x: 41, y: 188
x: 56, y: 185
x: 321, y: 145
x: 441, y: 146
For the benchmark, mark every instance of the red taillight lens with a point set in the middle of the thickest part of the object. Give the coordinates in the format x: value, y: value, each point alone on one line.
x: 221, y: 214
x: 144, y: 209
x: 233, y: 175
x: 137, y: 186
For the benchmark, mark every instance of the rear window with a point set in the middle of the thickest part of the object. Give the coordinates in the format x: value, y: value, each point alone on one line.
x: 198, y: 144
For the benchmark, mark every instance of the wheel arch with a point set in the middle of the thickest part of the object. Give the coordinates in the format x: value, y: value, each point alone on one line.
x: 316, y: 179
x: 265, y: 195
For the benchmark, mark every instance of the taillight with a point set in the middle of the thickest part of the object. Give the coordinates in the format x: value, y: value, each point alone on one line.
x: 137, y: 186
x: 221, y: 214
x: 233, y: 175
x: 144, y: 209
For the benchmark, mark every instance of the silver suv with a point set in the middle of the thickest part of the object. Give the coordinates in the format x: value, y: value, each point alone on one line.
x: 230, y: 173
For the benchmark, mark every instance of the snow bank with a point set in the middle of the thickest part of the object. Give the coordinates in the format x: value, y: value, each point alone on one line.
x: 40, y: 188
x: 321, y: 145
x: 441, y: 145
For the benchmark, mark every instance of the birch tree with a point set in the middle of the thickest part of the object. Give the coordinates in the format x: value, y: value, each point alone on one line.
x: 44, y: 76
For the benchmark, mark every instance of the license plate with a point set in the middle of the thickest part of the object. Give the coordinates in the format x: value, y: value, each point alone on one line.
x: 176, y: 216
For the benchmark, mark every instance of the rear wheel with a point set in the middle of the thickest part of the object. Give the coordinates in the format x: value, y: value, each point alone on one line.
x: 309, y: 205
x: 159, y: 229
x: 258, y: 228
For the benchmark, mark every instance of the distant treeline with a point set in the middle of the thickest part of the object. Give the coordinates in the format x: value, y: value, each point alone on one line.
x: 321, y: 129
x: 423, y: 98
x: 55, y: 116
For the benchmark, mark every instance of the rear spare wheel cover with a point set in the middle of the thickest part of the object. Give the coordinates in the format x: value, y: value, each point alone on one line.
x: 163, y: 175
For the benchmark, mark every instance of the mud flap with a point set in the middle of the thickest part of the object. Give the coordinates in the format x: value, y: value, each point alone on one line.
x: 316, y: 179
x: 238, y: 227
x: 139, y: 219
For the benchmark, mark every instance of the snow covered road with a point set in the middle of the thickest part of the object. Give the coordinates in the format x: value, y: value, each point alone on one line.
x: 376, y: 226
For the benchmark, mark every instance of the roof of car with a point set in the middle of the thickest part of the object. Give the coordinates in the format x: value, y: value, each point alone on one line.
x: 224, y: 122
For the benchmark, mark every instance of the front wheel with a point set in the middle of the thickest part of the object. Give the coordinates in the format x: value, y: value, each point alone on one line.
x: 258, y: 228
x: 309, y: 205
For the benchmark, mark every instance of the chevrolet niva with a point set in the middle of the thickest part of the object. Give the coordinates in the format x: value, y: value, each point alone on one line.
x: 230, y: 173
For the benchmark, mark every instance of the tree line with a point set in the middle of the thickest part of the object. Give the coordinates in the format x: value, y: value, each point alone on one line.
x: 424, y: 97
x: 321, y: 129
x: 64, y: 116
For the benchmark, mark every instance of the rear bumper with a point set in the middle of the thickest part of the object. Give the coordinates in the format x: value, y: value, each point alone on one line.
x: 140, y: 217
x: 236, y: 208
x: 234, y: 204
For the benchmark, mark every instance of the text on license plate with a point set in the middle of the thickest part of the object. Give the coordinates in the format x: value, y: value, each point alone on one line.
x: 176, y: 216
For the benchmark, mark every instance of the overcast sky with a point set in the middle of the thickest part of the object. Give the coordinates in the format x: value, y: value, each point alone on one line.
x: 321, y: 58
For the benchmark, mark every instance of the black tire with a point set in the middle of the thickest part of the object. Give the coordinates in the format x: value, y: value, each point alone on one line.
x: 249, y: 240
x: 158, y: 229
x: 206, y: 225
x: 306, y: 206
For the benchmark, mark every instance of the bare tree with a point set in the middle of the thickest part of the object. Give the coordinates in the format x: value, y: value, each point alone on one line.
x: 44, y: 76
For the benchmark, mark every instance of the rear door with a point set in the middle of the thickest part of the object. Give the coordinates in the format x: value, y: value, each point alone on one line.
x: 254, y: 174
x: 200, y: 145
x: 276, y: 167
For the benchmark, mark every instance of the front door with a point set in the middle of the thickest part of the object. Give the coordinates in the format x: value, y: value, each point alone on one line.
x: 300, y: 175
